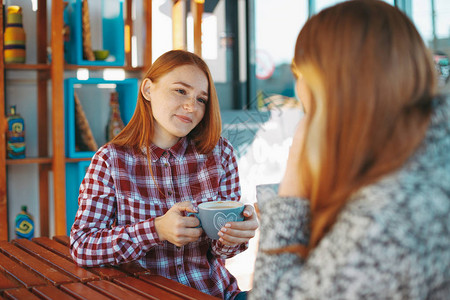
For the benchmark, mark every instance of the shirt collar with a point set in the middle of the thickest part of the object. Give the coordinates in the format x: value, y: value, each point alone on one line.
x: 178, y: 150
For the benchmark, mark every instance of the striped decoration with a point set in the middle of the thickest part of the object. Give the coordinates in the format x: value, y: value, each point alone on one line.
x: 14, y: 38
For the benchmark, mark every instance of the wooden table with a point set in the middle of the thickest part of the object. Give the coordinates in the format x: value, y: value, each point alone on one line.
x: 43, y: 269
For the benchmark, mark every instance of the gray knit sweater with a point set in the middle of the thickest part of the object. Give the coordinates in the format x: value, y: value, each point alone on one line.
x: 392, y: 241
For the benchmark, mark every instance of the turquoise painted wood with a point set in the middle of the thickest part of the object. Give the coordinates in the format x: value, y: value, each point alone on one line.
x: 127, y: 90
x: 112, y: 33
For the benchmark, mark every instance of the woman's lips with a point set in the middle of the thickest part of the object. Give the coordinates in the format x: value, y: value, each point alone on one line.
x: 184, y: 119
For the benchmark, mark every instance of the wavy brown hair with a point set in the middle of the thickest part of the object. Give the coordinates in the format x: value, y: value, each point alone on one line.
x: 139, y: 131
x: 371, y: 80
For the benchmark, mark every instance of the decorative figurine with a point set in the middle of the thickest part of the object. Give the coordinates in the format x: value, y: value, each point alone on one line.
x: 24, y: 225
x: 15, y: 135
x: 115, y: 123
x: 84, y: 139
x: 14, y: 38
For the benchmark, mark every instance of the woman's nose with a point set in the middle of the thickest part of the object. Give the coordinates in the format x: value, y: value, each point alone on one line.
x: 189, y: 104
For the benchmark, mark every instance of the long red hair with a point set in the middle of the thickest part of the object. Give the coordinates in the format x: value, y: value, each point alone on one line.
x: 372, y: 80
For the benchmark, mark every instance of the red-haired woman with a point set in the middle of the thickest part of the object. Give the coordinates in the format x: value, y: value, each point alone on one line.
x: 168, y: 159
x: 363, y: 209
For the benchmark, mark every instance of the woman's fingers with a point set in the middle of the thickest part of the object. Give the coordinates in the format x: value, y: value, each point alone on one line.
x: 235, y: 237
x: 174, y: 227
x: 229, y: 233
x: 185, y: 206
x: 234, y: 233
x: 193, y: 233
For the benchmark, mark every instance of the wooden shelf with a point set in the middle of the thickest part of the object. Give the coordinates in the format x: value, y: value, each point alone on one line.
x: 54, y: 72
x: 45, y: 72
x: 71, y: 160
x: 126, y: 68
x: 70, y: 67
x: 29, y: 160
x: 27, y: 67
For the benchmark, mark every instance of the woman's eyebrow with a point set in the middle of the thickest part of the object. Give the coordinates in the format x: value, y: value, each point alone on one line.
x: 189, y: 86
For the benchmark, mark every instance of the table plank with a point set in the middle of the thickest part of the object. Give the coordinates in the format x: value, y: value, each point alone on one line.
x: 145, y: 289
x: 33, y: 263
x: 62, y: 250
x: 56, y: 261
x: 81, y: 291
x: 19, y: 273
x: 133, y: 268
x: 26, y: 266
x: 114, y: 291
x: 7, y: 283
x: 51, y: 292
x: 53, y: 246
x: 20, y: 294
x: 176, y: 287
x: 63, y: 239
x: 107, y: 273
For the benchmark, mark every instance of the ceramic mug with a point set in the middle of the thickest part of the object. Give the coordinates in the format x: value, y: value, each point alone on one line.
x: 215, y: 214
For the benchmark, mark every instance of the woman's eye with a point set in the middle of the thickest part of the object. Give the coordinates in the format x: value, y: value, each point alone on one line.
x: 181, y: 91
x: 201, y: 100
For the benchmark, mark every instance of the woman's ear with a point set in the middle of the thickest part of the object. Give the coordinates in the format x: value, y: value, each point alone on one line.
x: 304, y: 93
x: 145, y: 88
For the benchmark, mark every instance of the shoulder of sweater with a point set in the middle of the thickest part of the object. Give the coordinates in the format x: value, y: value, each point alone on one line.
x: 402, y: 206
x: 422, y: 181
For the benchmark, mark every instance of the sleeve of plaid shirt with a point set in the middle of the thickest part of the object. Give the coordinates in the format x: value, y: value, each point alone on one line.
x: 94, y: 239
x: 229, y: 190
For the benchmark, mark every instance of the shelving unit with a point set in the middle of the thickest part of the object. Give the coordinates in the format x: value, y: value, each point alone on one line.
x: 54, y: 72
x: 45, y: 72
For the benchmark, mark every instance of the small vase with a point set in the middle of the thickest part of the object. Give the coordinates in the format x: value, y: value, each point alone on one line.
x: 15, y: 134
x: 14, y: 44
x: 24, y: 225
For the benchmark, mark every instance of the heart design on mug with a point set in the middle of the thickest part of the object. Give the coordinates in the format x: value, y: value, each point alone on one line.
x: 220, y: 219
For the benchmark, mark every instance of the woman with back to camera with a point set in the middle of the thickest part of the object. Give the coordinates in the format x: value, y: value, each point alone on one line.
x: 168, y: 159
x: 363, y: 209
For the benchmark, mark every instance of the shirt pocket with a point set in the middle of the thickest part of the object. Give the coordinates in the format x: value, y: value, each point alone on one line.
x: 205, y: 182
x: 132, y: 208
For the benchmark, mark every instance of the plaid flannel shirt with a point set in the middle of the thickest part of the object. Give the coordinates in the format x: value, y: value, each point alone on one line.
x: 119, y: 200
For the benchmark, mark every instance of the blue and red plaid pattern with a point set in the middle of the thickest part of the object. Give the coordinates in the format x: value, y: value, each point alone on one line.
x: 119, y: 200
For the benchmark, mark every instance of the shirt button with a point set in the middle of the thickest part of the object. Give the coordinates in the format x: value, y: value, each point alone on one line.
x: 169, y: 193
x: 166, y: 165
x: 179, y: 267
x: 178, y: 248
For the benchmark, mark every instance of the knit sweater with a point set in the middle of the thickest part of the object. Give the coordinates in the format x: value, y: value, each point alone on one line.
x: 391, y: 241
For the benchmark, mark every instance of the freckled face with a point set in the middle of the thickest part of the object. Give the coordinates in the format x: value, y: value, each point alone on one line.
x: 178, y: 100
